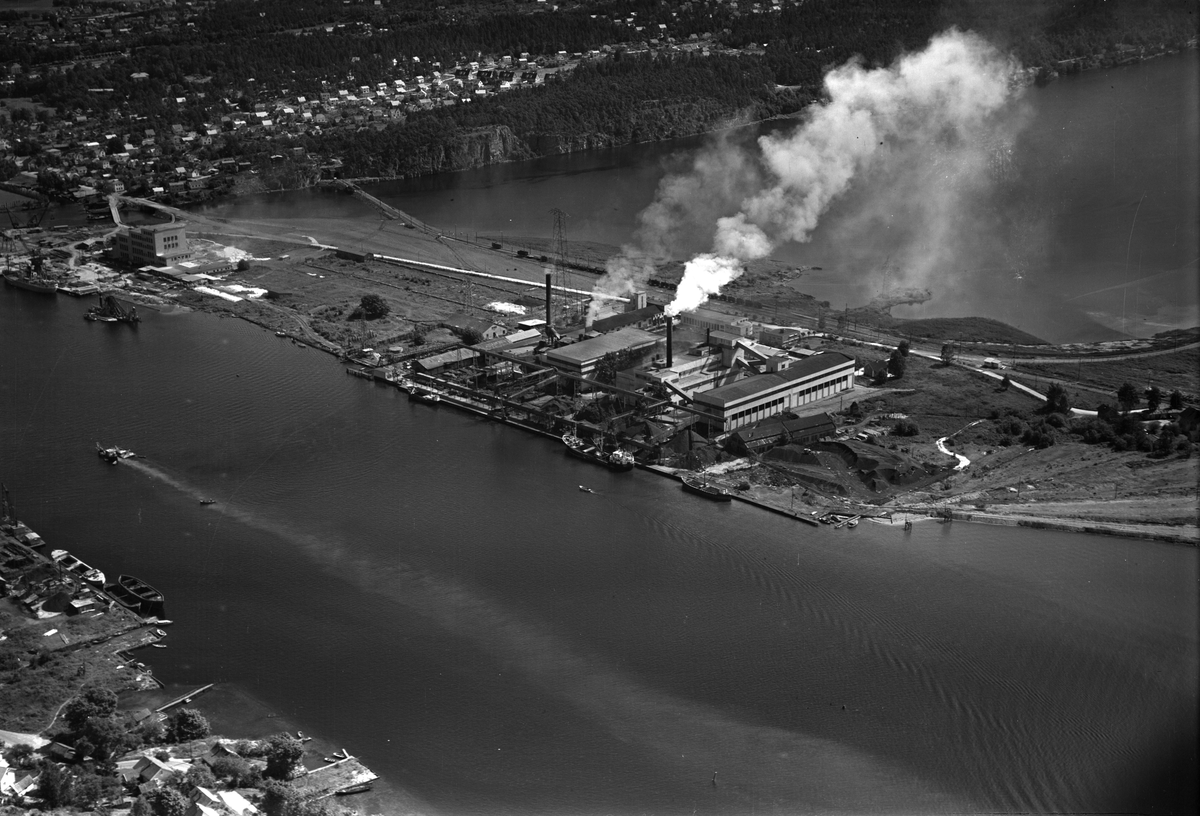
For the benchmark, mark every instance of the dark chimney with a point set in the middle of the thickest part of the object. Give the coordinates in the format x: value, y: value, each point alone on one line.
x: 549, y: 322
x: 670, y: 338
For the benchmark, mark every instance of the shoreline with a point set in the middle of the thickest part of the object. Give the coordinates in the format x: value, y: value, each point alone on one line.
x: 1176, y: 535
x: 1031, y: 75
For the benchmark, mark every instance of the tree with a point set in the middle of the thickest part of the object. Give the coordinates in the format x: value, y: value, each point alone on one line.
x: 1057, y: 401
x: 198, y: 776
x: 1175, y: 401
x: 236, y: 771
x: 896, y: 364
x: 54, y: 785
x: 904, y: 348
x: 373, y: 307
x: 949, y: 352
x: 93, y: 702
x: 471, y: 336
x: 281, y: 799
x: 283, y: 755
x: 107, y: 736
x: 20, y: 755
x: 1127, y: 396
x: 1153, y: 398
x: 186, y: 724
x: 165, y: 801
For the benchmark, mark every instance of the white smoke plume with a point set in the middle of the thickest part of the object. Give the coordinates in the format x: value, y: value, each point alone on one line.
x: 872, y: 121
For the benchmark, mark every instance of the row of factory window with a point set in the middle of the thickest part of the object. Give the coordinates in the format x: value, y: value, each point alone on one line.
x: 801, y: 397
x: 776, y: 403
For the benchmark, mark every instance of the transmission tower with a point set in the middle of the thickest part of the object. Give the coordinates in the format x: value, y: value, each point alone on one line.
x: 560, y: 267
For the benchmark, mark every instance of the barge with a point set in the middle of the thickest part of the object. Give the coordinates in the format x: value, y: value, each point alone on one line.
x: 136, y: 595
x: 701, y: 487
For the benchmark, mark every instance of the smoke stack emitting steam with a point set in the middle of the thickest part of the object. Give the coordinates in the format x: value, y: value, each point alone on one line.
x: 944, y: 94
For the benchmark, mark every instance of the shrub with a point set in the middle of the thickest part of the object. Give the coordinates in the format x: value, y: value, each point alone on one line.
x: 905, y: 427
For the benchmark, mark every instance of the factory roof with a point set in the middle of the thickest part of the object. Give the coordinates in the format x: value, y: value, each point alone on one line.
x: 800, y: 370
x: 597, y: 347
x: 457, y: 355
x: 773, y: 428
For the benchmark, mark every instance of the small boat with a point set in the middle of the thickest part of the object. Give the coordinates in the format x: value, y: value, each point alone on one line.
x: 208, y: 501
x: 159, y: 645
x: 281, y: 334
x: 583, y: 489
x: 160, y: 633
x: 361, y: 787
x: 164, y: 622
x: 701, y: 487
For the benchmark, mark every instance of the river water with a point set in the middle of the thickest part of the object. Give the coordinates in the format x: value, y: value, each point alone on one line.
x: 434, y: 593
x: 1090, y: 230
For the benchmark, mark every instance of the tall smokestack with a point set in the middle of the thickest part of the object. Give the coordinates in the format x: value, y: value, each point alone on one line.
x: 549, y: 322
x: 670, y: 339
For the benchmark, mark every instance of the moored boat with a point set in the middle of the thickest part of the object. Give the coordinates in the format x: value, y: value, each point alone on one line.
x: 135, y: 594
x: 701, y: 487
x: 619, y: 459
x: 31, y: 283
x: 77, y: 567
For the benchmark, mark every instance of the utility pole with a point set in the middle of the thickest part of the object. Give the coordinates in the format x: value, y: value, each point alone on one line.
x: 560, y: 260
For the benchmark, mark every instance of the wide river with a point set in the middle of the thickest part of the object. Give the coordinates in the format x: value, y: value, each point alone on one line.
x: 1087, y: 227
x: 433, y: 592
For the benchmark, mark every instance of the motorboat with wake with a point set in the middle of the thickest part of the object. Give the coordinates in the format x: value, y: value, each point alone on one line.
x: 113, y: 453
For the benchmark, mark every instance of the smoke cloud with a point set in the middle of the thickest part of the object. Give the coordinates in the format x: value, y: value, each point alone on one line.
x: 931, y: 113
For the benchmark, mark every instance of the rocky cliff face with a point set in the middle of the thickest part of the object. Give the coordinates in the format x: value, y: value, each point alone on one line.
x: 652, y: 121
x: 464, y: 151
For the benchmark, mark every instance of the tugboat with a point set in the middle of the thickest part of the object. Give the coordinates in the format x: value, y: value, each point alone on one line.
x: 701, y: 487
x: 112, y: 454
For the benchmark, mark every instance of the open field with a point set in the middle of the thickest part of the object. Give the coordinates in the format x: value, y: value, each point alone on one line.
x: 1175, y: 370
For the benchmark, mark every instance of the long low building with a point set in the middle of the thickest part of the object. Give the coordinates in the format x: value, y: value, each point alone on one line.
x: 788, y: 384
x: 582, y: 358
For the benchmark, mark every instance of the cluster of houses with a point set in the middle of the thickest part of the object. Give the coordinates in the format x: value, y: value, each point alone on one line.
x: 102, y: 150
x: 141, y: 772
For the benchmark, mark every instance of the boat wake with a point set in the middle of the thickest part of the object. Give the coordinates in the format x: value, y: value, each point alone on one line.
x: 167, y: 479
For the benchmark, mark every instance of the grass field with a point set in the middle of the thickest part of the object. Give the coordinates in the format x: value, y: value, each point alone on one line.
x: 1178, y: 370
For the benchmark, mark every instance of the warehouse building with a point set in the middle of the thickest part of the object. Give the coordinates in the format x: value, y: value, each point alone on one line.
x: 582, y: 358
x: 786, y: 383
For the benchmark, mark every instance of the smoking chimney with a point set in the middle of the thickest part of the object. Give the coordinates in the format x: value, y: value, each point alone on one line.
x: 549, y: 322
x: 670, y: 339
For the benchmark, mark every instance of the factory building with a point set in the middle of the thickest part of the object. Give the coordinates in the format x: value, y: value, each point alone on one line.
x: 706, y: 321
x: 151, y: 245
x: 582, y: 358
x: 786, y: 384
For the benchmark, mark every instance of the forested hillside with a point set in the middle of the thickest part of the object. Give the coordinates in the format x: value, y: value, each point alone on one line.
x: 657, y: 68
